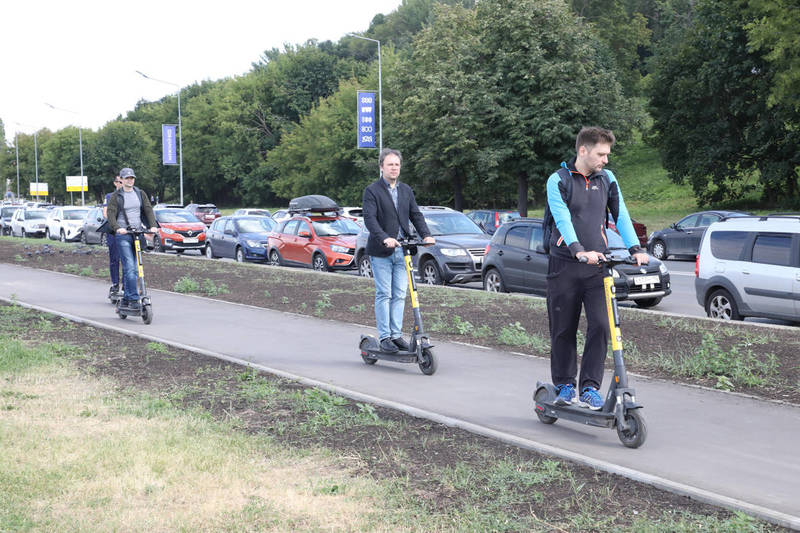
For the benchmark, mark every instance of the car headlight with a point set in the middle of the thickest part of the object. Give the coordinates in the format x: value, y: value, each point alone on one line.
x: 254, y: 244
x: 663, y: 268
x: 614, y: 273
x: 168, y: 231
x: 454, y: 252
x: 339, y: 249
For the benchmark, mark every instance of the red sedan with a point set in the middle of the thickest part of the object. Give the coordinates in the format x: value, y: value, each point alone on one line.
x: 178, y: 230
x: 320, y: 242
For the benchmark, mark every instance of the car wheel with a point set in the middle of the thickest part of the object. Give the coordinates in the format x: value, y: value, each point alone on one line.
x: 493, y: 281
x: 647, y: 302
x: 722, y: 305
x: 103, y: 239
x: 83, y: 237
x: 209, y: 252
x: 23, y: 235
x: 430, y: 273
x: 63, y: 236
x: 274, y: 258
x: 364, y: 266
x: 47, y: 233
x: 658, y: 249
x: 319, y: 263
x: 239, y: 256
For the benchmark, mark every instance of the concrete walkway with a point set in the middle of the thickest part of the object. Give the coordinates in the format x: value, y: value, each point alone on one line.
x: 721, y: 448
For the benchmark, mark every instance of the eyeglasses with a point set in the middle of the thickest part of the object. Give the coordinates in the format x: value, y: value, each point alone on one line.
x: 118, y: 181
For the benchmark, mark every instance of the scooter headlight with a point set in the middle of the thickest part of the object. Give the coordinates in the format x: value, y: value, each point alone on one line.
x: 454, y: 252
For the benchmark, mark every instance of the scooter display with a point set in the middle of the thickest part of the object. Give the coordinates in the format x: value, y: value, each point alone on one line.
x: 420, y: 349
x: 145, y: 309
x: 620, y: 409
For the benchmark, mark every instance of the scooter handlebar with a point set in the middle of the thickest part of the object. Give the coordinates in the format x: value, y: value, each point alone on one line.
x: 611, y: 261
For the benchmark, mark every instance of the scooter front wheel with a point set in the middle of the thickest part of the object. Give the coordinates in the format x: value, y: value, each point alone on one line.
x: 364, y: 354
x: 147, y: 313
x: 636, y: 433
x: 427, y: 362
x: 542, y: 396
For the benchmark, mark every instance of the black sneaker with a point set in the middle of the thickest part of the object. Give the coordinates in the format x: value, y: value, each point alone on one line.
x: 387, y: 346
x: 401, y: 343
x: 113, y: 289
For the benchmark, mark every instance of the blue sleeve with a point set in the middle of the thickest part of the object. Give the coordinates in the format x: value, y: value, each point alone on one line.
x: 560, y: 210
x: 623, y: 222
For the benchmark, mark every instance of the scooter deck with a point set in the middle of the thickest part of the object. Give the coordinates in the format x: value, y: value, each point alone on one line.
x: 576, y: 413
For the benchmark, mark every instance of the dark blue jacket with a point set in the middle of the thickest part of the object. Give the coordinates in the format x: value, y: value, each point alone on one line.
x: 383, y: 220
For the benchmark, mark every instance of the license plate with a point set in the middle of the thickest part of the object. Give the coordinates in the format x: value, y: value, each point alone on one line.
x: 645, y: 280
x: 190, y: 240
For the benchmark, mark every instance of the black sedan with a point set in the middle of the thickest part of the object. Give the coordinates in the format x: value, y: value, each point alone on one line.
x: 682, y: 239
x: 515, y: 261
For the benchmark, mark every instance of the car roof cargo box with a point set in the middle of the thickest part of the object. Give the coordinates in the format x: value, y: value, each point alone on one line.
x: 313, y: 203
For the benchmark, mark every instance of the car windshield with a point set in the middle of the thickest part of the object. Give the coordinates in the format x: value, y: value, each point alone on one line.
x: 254, y: 225
x: 451, y: 224
x: 37, y: 213
x: 615, y: 241
x: 206, y: 209
x: 75, y: 214
x: 257, y: 212
x: 8, y: 211
x: 337, y: 226
x: 175, y: 216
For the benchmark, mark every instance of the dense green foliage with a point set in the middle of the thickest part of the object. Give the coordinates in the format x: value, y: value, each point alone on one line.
x: 483, y: 98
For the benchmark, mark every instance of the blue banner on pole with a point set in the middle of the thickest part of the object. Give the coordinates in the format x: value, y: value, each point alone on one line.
x: 169, y: 155
x: 366, y: 119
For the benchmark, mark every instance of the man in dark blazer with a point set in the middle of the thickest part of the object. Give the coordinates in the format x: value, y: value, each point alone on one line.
x: 388, y: 207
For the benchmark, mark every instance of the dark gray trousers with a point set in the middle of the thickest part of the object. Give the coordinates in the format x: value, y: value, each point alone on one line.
x: 570, y: 286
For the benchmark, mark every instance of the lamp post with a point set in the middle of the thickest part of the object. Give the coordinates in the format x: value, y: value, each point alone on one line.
x: 16, y: 147
x: 180, y: 140
x: 80, y: 145
x: 380, y: 93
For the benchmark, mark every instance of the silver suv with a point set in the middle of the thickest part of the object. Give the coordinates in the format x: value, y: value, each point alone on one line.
x: 750, y: 266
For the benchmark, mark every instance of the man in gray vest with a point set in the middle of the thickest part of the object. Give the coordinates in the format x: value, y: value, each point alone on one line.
x: 128, y: 208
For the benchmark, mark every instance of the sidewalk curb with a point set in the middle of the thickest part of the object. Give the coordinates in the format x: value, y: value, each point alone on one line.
x: 769, y: 515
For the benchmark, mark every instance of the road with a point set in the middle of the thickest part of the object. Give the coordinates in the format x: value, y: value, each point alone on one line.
x: 717, y: 447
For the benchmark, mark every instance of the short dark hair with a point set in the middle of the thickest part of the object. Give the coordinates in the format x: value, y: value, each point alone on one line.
x: 591, y: 135
x: 389, y: 151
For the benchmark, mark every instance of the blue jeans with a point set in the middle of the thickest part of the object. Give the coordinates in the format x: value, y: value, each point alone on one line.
x: 127, y: 254
x: 113, y: 258
x: 391, y: 283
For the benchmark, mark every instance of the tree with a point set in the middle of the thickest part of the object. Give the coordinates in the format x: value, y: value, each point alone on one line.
x: 61, y: 157
x: 712, y: 123
x: 121, y: 144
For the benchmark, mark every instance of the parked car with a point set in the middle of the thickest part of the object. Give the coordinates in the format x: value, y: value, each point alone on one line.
x: 254, y: 212
x: 243, y: 238
x: 682, y: 239
x: 515, y: 261
x: 355, y: 213
x: 638, y: 227
x: 322, y: 242
x: 206, y: 213
x: 281, y: 215
x: 750, y: 266
x: 6, y: 213
x: 178, y: 230
x: 168, y: 206
x: 65, y: 223
x: 456, y: 257
x: 489, y: 219
x: 29, y: 222
x: 91, y: 223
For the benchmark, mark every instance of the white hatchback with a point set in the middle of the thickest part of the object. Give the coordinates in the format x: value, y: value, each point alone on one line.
x: 65, y: 223
x: 29, y: 222
x: 750, y: 266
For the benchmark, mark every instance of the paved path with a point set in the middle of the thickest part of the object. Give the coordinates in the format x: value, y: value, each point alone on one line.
x: 726, y: 449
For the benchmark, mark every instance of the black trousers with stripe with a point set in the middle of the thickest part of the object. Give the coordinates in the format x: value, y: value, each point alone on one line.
x: 570, y: 287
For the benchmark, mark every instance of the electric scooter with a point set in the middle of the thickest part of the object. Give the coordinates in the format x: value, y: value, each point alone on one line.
x: 620, y: 409
x: 420, y: 349
x: 145, y: 307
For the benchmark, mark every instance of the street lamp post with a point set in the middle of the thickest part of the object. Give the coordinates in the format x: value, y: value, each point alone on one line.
x: 380, y: 93
x: 180, y: 139
x: 80, y: 145
x: 16, y: 147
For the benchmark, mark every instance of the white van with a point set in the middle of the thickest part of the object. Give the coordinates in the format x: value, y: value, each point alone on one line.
x: 750, y: 266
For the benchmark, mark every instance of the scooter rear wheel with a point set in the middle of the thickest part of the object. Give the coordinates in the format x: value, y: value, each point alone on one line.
x: 542, y: 396
x: 363, y: 348
x: 428, y: 364
x: 147, y: 313
x: 636, y: 435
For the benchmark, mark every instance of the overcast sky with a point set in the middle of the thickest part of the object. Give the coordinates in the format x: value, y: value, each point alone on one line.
x: 82, y: 55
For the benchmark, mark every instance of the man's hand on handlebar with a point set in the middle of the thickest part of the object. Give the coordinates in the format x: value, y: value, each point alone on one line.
x: 390, y: 242
x: 641, y: 258
x: 592, y: 258
x: 429, y: 240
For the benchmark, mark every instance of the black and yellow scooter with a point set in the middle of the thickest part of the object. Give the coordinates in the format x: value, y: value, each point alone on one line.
x: 620, y: 409
x: 145, y: 306
x: 420, y: 349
